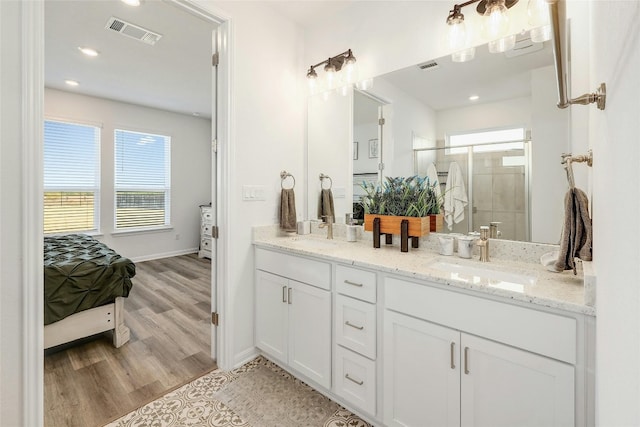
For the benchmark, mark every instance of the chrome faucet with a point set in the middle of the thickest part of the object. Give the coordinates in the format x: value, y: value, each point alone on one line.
x: 483, y: 243
x: 328, y: 224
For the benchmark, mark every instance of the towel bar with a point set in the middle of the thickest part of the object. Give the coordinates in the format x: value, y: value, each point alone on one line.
x: 284, y: 175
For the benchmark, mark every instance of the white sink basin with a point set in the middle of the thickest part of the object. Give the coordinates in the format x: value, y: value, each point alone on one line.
x: 481, y: 275
x: 314, y: 243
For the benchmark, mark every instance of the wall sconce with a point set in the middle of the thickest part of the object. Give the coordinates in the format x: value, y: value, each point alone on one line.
x: 495, y: 26
x: 343, y: 63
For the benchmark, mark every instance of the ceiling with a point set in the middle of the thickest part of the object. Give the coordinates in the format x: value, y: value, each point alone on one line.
x: 174, y: 74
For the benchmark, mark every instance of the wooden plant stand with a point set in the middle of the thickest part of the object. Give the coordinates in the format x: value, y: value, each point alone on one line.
x: 414, y: 227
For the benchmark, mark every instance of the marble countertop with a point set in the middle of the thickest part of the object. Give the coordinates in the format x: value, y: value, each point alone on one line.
x: 564, y: 291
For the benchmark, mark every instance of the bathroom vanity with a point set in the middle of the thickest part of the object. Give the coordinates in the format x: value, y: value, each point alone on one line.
x: 418, y: 339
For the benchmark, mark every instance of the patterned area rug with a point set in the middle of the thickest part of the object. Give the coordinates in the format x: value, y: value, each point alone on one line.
x: 258, y: 394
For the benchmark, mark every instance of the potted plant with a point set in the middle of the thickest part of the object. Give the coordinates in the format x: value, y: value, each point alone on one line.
x: 413, y: 198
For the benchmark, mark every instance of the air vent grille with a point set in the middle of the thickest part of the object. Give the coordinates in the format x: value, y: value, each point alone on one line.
x: 133, y: 31
x: 429, y: 65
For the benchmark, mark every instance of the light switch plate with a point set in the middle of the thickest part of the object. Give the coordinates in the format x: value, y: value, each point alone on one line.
x: 254, y: 193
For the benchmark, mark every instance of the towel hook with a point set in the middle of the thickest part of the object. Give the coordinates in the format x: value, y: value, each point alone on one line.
x: 322, y: 178
x: 284, y: 175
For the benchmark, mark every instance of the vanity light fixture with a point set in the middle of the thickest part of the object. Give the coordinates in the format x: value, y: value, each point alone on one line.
x: 495, y: 26
x: 344, y: 62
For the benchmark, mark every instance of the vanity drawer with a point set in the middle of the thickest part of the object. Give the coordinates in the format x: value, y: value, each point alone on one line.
x: 540, y: 332
x: 355, y: 380
x: 355, y: 325
x: 357, y: 283
x: 298, y: 268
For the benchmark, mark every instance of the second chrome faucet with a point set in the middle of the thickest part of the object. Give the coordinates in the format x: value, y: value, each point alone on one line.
x: 483, y: 243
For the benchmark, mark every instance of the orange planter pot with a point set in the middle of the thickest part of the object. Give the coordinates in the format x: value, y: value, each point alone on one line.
x: 389, y: 224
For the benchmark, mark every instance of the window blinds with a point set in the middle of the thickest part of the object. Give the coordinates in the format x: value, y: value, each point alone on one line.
x: 71, y: 177
x: 142, y: 180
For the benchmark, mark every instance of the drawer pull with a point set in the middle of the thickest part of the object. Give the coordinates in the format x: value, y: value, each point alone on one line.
x: 354, y: 326
x: 289, y: 296
x: 466, y: 360
x: 349, y: 282
x: 453, y: 347
x: 352, y: 380
x: 284, y: 294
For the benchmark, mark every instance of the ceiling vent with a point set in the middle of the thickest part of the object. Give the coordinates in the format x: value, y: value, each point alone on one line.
x: 523, y: 46
x: 133, y: 31
x: 429, y: 65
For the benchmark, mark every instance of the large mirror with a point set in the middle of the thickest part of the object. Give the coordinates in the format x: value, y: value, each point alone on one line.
x: 507, y: 142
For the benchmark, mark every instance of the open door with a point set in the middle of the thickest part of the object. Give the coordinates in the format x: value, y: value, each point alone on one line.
x: 214, y: 190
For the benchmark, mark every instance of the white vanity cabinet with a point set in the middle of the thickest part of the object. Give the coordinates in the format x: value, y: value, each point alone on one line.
x: 458, y: 375
x: 293, y: 313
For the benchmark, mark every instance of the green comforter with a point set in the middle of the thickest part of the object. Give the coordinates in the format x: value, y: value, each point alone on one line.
x: 81, y: 273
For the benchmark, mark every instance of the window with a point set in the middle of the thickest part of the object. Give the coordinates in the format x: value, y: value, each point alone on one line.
x: 142, y: 180
x: 71, y: 177
x: 485, y: 141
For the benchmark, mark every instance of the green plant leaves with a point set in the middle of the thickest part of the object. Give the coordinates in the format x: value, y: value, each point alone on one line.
x: 413, y: 196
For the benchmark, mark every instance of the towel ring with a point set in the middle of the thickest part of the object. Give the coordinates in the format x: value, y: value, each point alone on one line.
x: 322, y: 178
x: 284, y: 175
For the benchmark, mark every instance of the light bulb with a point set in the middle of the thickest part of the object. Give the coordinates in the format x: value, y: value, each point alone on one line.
x: 503, y: 44
x: 349, y: 71
x: 463, y: 55
x: 312, y: 80
x: 457, y: 37
x: 496, y: 20
x: 538, y: 11
x: 330, y: 72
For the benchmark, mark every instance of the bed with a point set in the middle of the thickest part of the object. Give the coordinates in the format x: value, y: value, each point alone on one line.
x: 85, y: 283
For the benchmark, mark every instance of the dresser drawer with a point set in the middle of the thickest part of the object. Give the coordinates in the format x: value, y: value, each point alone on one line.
x: 205, y: 230
x: 205, y: 244
x: 355, y: 325
x: 355, y: 380
x: 357, y: 283
x: 206, y: 215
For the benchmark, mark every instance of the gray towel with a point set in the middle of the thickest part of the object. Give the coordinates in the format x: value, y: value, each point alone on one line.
x: 325, y: 205
x: 577, y: 238
x: 288, y: 209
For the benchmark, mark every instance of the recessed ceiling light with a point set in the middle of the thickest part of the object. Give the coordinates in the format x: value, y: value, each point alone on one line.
x: 474, y: 98
x: 88, y: 51
x: 131, y: 2
x: 71, y: 82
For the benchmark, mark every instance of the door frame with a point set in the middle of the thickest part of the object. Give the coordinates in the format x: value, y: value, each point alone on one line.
x: 32, y: 33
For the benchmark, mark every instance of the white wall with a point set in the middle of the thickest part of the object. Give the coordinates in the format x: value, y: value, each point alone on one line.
x: 362, y: 134
x: 267, y: 136
x: 190, y: 168
x: 615, y: 53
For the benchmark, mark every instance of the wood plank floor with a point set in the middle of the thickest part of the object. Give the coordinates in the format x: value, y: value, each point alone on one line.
x: 89, y: 382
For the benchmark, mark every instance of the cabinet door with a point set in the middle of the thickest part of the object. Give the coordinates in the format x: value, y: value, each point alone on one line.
x: 310, y: 332
x: 421, y: 373
x: 271, y: 314
x: 506, y: 387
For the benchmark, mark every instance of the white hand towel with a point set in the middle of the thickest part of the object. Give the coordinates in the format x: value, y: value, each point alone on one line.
x: 432, y: 174
x: 455, y: 196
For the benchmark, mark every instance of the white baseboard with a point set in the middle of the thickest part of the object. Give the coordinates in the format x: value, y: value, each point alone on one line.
x: 245, y: 356
x: 164, y: 255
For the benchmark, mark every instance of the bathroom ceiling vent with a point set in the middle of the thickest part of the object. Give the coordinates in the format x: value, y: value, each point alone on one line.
x: 429, y: 65
x: 133, y: 31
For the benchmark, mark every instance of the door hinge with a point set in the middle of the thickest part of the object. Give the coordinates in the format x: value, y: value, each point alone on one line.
x: 215, y: 59
x: 381, y: 121
x: 214, y: 232
x: 214, y: 145
x: 381, y: 166
x: 215, y: 318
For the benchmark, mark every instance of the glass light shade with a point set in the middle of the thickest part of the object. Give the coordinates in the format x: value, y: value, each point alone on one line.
x: 464, y: 55
x: 457, y: 37
x: 313, y: 84
x: 330, y: 77
x: 538, y: 11
x: 540, y: 34
x: 349, y: 72
x: 503, y: 44
x: 495, y: 20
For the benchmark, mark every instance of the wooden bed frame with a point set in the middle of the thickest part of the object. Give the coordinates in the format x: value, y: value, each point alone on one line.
x: 108, y: 317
